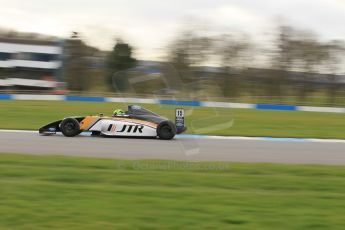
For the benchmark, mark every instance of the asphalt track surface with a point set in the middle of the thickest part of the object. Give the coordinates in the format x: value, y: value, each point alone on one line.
x: 182, y: 148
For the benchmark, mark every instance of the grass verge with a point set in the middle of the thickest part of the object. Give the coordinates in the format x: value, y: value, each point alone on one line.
x: 45, y: 192
x: 200, y: 120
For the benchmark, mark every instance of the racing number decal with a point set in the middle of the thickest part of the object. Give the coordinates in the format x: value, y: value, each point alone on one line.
x: 179, y: 118
x: 179, y: 113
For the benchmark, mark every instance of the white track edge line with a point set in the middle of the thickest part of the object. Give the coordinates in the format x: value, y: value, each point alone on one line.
x: 191, y: 136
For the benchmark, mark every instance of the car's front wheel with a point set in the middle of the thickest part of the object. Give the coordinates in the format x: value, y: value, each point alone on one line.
x: 166, y: 130
x: 70, y: 127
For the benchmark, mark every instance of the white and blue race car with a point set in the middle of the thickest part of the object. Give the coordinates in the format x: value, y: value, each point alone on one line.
x: 136, y: 122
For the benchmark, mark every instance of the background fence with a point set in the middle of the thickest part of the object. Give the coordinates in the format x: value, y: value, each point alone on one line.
x: 177, y: 102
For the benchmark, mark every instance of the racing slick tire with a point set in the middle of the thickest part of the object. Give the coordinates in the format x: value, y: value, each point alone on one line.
x: 166, y: 130
x: 70, y: 127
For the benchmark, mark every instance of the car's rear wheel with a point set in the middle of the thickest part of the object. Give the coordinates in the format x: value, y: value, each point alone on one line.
x: 166, y: 130
x: 70, y: 127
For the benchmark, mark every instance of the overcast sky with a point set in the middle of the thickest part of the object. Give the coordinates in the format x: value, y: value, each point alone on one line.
x: 149, y: 25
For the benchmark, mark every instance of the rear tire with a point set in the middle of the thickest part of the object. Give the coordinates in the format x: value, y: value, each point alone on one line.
x: 70, y: 127
x: 166, y: 130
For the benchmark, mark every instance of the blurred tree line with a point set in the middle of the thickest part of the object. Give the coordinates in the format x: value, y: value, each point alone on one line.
x: 79, y: 72
x: 119, y: 60
x: 76, y: 74
x: 298, y: 64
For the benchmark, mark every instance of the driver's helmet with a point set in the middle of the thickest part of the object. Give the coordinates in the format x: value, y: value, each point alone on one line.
x: 118, y: 112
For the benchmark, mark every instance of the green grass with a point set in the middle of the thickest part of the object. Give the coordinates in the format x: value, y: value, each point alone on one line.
x: 200, y: 120
x: 316, y: 99
x: 45, y: 192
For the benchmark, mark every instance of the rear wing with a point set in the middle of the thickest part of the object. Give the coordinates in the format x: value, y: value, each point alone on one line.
x: 179, y: 120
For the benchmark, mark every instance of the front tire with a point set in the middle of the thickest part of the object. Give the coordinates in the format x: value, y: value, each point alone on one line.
x: 70, y: 127
x: 166, y: 130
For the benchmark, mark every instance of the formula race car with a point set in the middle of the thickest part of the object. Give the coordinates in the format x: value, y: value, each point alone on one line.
x: 136, y: 122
